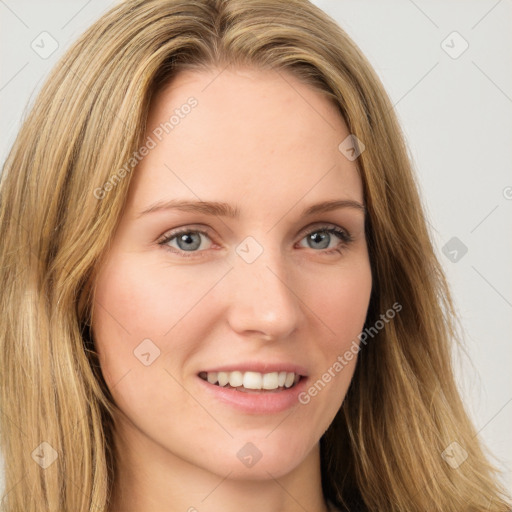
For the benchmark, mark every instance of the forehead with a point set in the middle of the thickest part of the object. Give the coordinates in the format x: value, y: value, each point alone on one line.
x: 244, y: 133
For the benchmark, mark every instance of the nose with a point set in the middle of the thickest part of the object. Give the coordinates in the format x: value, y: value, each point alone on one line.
x: 262, y: 302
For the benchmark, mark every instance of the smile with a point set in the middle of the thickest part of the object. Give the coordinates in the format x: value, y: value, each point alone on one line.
x: 252, y: 381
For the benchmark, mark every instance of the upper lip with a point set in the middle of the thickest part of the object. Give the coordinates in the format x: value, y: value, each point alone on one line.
x: 260, y: 367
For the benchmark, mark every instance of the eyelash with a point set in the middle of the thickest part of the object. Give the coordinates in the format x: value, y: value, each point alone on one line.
x: 342, y: 234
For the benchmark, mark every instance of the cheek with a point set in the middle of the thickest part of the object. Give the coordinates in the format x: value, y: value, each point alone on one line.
x: 146, y: 297
x: 340, y: 307
x: 138, y: 298
x: 341, y: 303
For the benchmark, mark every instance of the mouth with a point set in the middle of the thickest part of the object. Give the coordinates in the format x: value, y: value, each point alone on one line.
x: 253, y: 382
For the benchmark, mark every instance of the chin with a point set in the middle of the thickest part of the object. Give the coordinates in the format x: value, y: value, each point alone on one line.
x: 253, y: 457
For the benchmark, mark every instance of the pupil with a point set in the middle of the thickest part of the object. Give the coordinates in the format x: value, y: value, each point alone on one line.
x: 189, y: 242
x: 319, y: 237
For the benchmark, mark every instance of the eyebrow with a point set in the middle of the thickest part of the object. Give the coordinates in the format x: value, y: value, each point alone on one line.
x: 216, y: 208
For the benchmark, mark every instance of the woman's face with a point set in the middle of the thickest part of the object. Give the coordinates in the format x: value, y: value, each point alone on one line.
x: 194, y: 292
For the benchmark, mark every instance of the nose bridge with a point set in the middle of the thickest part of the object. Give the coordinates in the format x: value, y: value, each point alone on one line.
x: 261, y: 296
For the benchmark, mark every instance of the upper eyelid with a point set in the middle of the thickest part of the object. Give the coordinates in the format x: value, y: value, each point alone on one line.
x: 201, y: 228
x: 171, y: 233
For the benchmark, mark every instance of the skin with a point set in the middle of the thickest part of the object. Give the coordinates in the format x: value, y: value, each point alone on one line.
x: 268, y: 144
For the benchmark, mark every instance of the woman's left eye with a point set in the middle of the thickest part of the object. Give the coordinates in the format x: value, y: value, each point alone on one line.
x: 323, y: 236
x: 190, y: 240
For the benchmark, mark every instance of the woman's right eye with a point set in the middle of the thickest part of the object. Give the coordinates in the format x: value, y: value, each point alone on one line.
x: 185, y: 240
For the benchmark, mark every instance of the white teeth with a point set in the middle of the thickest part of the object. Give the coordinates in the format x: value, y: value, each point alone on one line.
x: 289, y: 380
x: 236, y: 379
x: 270, y: 380
x: 252, y: 380
x: 223, y: 378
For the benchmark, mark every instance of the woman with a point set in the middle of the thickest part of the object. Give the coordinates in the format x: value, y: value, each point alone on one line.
x: 175, y: 337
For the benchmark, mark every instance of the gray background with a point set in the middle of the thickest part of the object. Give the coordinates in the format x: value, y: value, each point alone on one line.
x: 455, y: 108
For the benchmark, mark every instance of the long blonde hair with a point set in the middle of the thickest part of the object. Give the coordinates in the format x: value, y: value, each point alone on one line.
x: 383, y: 450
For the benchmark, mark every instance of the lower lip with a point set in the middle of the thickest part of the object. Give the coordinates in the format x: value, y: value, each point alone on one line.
x: 256, y: 403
